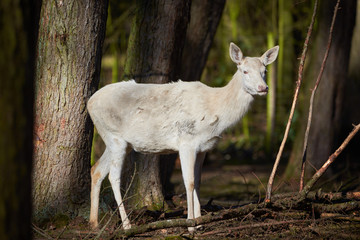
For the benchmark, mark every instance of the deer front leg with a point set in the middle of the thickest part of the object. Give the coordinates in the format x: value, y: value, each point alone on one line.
x: 198, y: 166
x: 188, y: 159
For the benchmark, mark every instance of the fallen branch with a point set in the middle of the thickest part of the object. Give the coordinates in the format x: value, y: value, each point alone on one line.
x: 313, y: 95
x: 259, y: 225
x: 315, y: 196
x: 336, y: 207
x: 211, y: 217
x: 284, y: 201
x: 296, y: 94
x: 41, y: 232
x: 319, y: 196
x: 326, y: 165
x: 339, y: 216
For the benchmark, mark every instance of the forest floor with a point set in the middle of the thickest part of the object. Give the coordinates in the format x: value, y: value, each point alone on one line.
x: 225, y: 190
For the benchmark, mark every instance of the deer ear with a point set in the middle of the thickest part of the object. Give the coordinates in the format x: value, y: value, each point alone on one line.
x: 270, y: 55
x: 235, y: 53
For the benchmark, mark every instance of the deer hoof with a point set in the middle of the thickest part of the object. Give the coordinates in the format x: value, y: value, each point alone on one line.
x: 94, y: 225
x: 126, y: 225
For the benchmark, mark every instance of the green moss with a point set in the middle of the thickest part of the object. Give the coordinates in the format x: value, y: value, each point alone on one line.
x: 156, y: 206
x: 61, y: 220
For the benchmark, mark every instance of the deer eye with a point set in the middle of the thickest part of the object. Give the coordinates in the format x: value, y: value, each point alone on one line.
x: 246, y: 72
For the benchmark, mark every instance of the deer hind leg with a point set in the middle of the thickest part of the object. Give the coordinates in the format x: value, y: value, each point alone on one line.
x: 98, y: 173
x: 118, y: 154
x: 187, y: 159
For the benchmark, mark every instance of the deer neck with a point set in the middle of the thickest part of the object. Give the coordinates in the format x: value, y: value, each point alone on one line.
x: 235, y: 102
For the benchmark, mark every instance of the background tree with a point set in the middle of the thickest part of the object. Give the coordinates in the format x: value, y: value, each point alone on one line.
x: 325, y: 132
x: 154, y: 55
x: 204, y: 20
x: 352, y: 97
x: 70, y: 42
x: 18, y: 30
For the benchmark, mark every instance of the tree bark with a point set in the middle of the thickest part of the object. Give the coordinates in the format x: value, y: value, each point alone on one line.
x: 325, y: 130
x: 352, y: 89
x: 17, y: 50
x: 70, y: 42
x: 154, y: 53
x: 205, y: 18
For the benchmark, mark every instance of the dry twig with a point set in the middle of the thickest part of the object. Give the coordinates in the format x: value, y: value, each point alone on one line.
x: 296, y: 94
x: 312, y: 97
x: 41, y: 232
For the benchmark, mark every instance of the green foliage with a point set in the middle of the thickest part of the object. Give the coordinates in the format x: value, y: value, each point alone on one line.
x: 118, y: 29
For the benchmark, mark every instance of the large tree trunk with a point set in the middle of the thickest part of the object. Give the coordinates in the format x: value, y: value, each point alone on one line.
x: 70, y: 42
x: 205, y: 18
x: 154, y: 54
x: 18, y: 31
x: 351, y: 115
x: 325, y: 129
x: 326, y: 125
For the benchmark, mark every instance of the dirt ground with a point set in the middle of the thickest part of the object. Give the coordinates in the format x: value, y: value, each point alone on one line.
x: 224, y: 188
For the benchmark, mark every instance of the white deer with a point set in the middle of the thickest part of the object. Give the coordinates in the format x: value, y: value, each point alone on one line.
x: 184, y: 117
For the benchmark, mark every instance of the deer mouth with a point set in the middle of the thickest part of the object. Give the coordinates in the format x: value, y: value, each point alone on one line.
x: 262, y: 92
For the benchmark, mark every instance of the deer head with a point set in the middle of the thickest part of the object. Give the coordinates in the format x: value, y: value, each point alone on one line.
x: 253, y: 69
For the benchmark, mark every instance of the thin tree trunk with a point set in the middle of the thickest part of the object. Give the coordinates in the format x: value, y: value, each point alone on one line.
x: 271, y: 76
x: 271, y: 99
x: 70, y: 42
x: 154, y: 53
x: 17, y: 50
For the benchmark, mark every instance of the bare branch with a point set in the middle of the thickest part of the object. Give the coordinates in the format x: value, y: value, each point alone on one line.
x: 312, y: 97
x: 296, y: 94
x: 326, y: 165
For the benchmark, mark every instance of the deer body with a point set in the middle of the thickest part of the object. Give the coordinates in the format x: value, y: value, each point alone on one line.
x: 184, y: 117
x: 156, y: 118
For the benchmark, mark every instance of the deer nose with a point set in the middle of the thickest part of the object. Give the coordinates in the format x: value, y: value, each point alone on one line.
x: 263, y: 88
